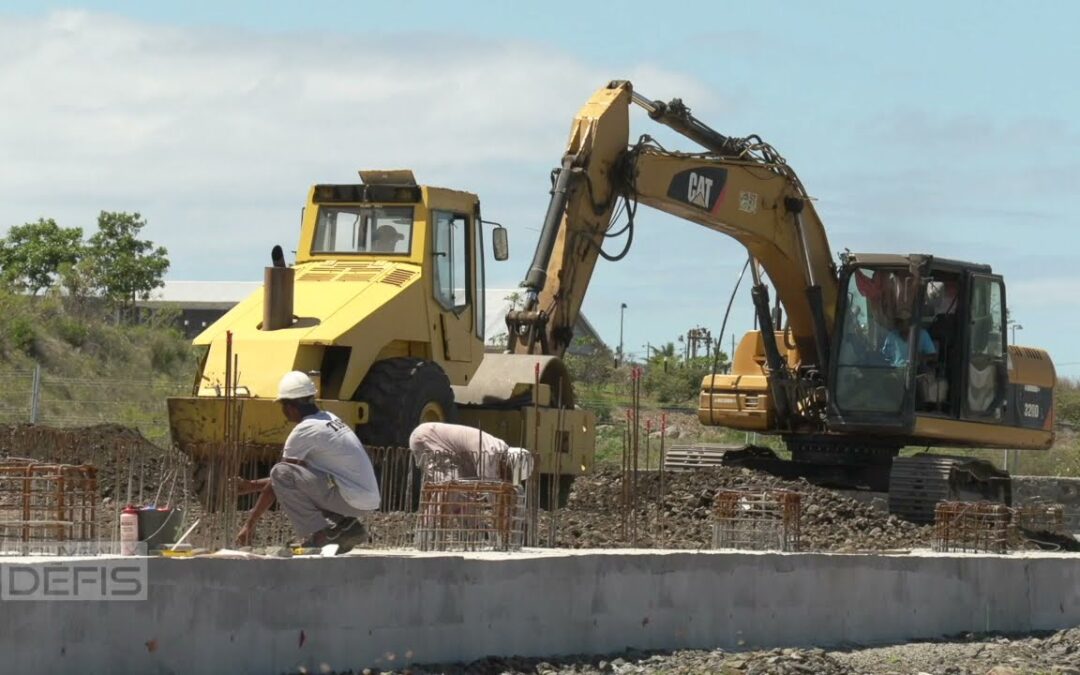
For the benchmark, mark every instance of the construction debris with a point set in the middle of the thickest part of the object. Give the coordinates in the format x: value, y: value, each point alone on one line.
x: 682, y: 518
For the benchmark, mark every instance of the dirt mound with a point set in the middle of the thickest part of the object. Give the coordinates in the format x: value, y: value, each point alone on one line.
x: 682, y: 516
x: 120, y: 453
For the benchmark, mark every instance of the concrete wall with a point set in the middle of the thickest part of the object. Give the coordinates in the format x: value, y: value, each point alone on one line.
x: 269, y: 616
x: 1064, y: 491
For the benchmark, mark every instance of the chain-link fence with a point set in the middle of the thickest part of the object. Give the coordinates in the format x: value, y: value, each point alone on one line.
x: 35, y: 396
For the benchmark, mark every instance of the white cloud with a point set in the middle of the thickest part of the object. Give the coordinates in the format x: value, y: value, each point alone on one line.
x: 215, y: 135
x: 1062, y: 293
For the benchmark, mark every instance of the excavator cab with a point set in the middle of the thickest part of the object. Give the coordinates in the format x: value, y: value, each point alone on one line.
x: 920, y: 352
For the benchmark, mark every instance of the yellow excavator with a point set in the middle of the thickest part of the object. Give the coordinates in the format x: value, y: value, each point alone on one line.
x: 878, y: 352
x: 384, y: 307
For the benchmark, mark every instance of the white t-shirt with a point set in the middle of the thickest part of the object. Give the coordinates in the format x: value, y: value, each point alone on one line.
x: 325, y: 443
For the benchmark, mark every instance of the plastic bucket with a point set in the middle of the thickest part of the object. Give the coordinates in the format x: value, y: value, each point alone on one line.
x: 159, y: 527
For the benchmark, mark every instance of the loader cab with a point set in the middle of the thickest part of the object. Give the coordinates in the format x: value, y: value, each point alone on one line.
x: 393, y: 233
x: 917, y: 337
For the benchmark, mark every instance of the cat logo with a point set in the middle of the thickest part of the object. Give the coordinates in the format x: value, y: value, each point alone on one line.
x: 699, y: 190
x: 702, y: 187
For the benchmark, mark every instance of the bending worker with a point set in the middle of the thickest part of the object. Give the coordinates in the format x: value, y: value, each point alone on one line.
x: 452, y: 451
x: 324, y: 480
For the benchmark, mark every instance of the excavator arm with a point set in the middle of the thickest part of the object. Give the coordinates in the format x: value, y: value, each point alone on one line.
x: 737, y: 186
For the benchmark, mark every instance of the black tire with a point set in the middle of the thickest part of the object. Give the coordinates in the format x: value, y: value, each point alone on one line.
x: 402, y: 393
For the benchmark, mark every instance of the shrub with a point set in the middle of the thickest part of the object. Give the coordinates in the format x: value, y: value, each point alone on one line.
x: 71, y: 331
x: 20, y: 335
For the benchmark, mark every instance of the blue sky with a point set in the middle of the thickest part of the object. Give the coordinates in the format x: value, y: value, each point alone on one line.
x: 945, y: 128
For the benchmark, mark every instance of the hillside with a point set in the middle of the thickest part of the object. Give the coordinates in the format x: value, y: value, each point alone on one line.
x: 92, y: 369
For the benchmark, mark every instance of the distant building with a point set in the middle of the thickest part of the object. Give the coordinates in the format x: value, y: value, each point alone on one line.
x: 201, y: 303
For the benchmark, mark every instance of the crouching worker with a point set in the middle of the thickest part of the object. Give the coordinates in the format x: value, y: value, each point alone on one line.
x: 324, y: 481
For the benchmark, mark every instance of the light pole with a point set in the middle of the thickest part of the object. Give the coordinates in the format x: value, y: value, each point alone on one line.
x: 1015, y: 327
x: 622, y: 314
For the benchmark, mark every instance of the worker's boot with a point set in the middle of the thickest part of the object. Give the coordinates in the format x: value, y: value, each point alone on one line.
x: 346, y: 533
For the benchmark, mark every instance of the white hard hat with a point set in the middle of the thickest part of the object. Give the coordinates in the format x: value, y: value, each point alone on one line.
x: 295, y: 385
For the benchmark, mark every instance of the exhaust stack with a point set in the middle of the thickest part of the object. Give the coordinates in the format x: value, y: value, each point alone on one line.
x: 278, y: 293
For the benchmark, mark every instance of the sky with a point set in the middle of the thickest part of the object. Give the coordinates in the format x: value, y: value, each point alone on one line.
x: 921, y: 127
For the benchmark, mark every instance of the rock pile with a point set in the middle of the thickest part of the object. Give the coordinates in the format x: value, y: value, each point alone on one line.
x: 680, y: 515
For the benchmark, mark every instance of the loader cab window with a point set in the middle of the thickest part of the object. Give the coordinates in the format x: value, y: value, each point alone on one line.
x: 452, y: 258
x: 364, y: 230
x: 876, y: 330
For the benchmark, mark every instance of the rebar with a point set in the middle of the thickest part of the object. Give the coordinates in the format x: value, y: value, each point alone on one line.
x: 971, y: 527
x: 1040, y: 523
x: 464, y: 515
x: 1040, y: 517
x: 757, y: 520
x: 393, y: 465
x: 661, y: 538
x: 47, y: 502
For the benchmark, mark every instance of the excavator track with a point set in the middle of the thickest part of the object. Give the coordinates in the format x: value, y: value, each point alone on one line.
x: 917, y: 484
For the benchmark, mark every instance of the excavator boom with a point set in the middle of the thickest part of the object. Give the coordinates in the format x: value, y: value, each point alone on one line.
x: 740, y: 187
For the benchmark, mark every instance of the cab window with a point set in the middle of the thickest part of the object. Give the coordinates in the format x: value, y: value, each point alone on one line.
x: 357, y: 229
x: 986, y: 346
x: 872, y: 367
x: 452, y: 260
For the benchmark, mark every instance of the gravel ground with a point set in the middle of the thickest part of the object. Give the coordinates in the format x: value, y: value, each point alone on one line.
x: 682, y: 517
x: 1057, y: 653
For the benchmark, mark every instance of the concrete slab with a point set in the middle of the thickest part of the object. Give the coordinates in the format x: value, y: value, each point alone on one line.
x: 381, y: 608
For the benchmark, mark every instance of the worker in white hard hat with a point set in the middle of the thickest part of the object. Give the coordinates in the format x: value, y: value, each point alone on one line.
x: 324, y: 481
x: 452, y: 451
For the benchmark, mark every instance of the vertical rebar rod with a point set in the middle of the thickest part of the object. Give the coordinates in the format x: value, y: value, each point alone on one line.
x: 635, y: 453
x: 624, y: 482
x: 663, y: 492
x: 534, y: 507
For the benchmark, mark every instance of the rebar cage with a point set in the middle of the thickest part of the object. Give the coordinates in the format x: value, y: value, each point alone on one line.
x: 757, y: 520
x: 47, y: 502
x: 971, y: 527
x: 1040, y: 517
x: 470, y: 515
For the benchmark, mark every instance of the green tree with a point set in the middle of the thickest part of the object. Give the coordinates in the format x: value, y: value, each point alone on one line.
x: 682, y: 382
x: 123, y: 267
x: 663, y: 357
x: 589, y: 362
x: 32, y: 255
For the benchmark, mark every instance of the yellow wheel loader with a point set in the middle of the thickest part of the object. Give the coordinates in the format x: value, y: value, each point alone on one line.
x: 384, y: 307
